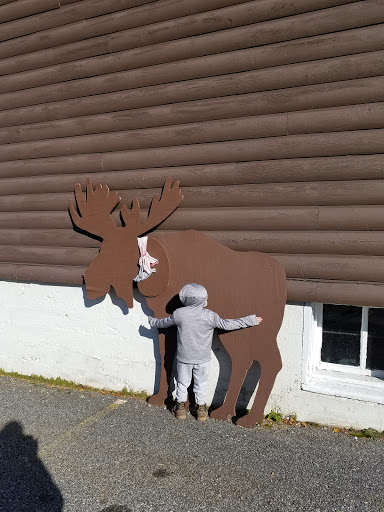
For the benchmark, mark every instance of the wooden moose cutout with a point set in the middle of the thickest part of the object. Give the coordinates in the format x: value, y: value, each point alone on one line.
x: 238, y: 284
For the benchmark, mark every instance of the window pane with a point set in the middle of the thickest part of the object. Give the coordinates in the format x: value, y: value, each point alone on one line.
x: 341, y: 334
x: 375, y: 344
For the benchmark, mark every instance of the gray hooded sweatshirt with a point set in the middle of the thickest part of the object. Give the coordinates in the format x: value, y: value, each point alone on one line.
x: 195, y: 325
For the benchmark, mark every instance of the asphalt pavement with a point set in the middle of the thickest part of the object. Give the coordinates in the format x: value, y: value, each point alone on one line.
x: 75, y: 451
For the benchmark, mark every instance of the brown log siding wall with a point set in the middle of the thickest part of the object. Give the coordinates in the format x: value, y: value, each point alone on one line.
x: 271, y: 113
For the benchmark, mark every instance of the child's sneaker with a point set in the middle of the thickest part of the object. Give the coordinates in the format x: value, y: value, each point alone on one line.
x: 202, y: 413
x: 179, y: 411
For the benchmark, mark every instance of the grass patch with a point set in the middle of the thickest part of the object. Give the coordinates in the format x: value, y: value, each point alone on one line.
x: 275, y: 416
x: 60, y: 383
x: 369, y: 433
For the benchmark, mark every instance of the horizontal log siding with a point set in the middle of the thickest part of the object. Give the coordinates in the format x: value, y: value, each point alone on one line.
x: 270, y: 113
x: 291, y: 218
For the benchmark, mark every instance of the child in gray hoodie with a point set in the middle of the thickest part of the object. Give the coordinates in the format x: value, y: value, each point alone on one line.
x: 195, y: 327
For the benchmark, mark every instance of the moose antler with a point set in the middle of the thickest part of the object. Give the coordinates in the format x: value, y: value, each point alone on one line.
x: 95, y: 210
x: 161, y: 208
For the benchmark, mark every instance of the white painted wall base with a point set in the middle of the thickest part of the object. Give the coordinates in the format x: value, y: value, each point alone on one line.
x: 55, y: 331
x: 289, y: 396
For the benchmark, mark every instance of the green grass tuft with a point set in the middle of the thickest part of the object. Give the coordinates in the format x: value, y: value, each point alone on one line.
x: 275, y: 416
x: 369, y: 433
x: 60, y: 383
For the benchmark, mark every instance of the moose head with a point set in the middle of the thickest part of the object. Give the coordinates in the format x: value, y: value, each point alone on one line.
x: 117, y: 261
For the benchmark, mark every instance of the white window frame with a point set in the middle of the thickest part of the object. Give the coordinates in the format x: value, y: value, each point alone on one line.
x: 335, y: 379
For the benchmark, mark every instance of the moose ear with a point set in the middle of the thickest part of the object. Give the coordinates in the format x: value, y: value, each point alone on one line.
x: 159, y: 280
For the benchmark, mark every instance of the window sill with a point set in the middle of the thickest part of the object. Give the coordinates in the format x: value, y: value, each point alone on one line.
x: 336, y: 383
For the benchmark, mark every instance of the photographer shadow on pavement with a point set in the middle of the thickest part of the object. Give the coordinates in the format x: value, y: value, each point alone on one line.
x: 25, y: 483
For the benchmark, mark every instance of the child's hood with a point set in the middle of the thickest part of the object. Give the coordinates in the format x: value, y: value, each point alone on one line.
x: 194, y: 294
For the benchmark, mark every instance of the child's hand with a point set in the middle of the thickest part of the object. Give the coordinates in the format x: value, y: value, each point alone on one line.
x: 259, y: 320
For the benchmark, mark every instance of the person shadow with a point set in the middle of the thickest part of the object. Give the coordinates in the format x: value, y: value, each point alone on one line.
x: 25, y: 483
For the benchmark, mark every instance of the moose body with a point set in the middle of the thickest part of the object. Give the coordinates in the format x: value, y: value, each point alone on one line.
x: 238, y: 284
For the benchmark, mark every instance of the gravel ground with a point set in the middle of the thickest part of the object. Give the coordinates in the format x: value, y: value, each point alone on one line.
x: 74, y: 451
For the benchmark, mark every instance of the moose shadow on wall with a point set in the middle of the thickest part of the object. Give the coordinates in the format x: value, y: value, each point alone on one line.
x: 116, y: 301
x: 25, y: 483
x: 145, y: 332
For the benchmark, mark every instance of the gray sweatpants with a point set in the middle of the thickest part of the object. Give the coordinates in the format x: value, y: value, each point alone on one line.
x: 200, y: 374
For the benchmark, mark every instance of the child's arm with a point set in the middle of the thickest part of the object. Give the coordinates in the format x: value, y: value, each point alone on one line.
x: 161, y: 323
x: 238, y: 323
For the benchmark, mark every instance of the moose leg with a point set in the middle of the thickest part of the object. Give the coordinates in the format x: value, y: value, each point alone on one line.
x: 267, y: 379
x: 228, y: 409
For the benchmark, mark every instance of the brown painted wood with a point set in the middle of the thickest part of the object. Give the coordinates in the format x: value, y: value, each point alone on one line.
x: 116, y: 264
x: 369, y: 115
x: 338, y: 18
x: 67, y: 2
x: 70, y: 256
x: 304, y: 242
x: 279, y: 194
x: 3, y: 2
x: 182, y: 256
x: 41, y: 177
x: 336, y: 292
x: 53, y: 56
x: 298, y: 146
x: 42, y: 273
x: 338, y: 267
x: 343, y: 119
x: 192, y: 175
x: 157, y: 13
x: 288, y: 242
x: 341, y: 168
x: 40, y: 40
x: 360, y: 217
x: 190, y: 244
x: 364, y: 90
x: 350, y: 67
x: 24, y: 8
x: 210, y: 131
x: 108, y: 23
x: 68, y: 14
x: 45, y: 237
x: 138, y: 59
x: 34, y: 220
x: 227, y: 18
x: 331, y: 218
x: 276, y: 218
x: 353, y: 117
x: 325, y: 71
x: 307, y: 266
x: 84, y: 163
